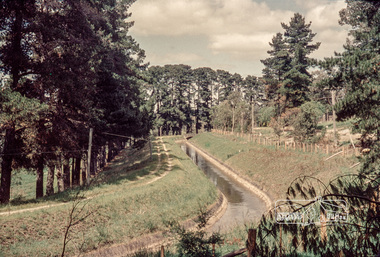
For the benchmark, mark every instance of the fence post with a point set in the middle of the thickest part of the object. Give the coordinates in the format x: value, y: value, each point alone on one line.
x: 323, y: 227
x: 280, y: 240
x: 251, y: 242
x: 213, y: 250
x: 162, y: 251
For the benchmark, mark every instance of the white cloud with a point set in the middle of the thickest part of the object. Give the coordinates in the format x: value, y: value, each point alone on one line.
x: 325, y: 17
x: 235, y: 29
x: 240, y: 45
x: 199, y: 17
x: 174, y: 58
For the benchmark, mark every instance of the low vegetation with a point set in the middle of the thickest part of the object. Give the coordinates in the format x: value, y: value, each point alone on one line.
x: 122, y: 205
x: 271, y: 169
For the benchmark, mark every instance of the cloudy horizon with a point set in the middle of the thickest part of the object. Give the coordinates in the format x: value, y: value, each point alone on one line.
x: 232, y: 35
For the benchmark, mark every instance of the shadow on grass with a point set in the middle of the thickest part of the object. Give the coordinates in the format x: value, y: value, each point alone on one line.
x: 130, y: 165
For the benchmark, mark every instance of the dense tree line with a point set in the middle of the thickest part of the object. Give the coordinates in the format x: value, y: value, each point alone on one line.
x: 68, y: 66
x: 190, y: 100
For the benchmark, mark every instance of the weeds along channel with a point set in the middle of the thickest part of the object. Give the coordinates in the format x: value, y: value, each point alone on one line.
x: 272, y: 170
x: 134, y: 196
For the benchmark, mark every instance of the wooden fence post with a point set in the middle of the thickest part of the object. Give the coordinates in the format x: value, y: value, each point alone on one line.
x: 213, y: 250
x: 162, y: 251
x: 280, y: 240
x: 251, y: 242
x: 323, y: 227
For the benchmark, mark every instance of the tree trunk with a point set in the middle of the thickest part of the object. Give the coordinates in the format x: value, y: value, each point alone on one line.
x: 333, y: 96
x: 40, y: 178
x: 242, y: 124
x: 233, y: 119
x: 76, y: 172
x: 102, y: 161
x: 84, y: 172
x: 50, y: 180
x: 60, y: 184
x: 66, y: 173
x: 72, y: 171
x: 6, y: 165
x: 110, y: 151
x: 253, y: 114
x: 94, y: 163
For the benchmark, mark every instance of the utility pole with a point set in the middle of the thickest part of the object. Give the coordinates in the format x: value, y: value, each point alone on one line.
x: 89, y: 157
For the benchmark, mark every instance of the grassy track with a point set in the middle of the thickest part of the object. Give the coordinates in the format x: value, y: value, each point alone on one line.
x: 272, y: 169
x: 124, y: 205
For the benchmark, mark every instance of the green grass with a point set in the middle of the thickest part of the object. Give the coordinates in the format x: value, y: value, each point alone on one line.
x: 123, y: 207
x: 271, y: 169
x: 339, y: 124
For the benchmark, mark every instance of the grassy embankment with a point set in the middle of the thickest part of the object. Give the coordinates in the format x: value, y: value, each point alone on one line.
x: 271, y: 169
x: 124, y: 205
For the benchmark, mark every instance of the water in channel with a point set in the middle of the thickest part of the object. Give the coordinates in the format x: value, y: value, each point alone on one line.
x: 243, y: 206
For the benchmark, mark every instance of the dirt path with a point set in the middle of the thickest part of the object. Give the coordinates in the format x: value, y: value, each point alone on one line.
x: 159, y: 165
x: 153, y: 242
x: 169, y: 163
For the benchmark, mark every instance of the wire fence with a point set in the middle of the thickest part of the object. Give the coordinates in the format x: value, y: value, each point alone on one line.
x: 346, y: 151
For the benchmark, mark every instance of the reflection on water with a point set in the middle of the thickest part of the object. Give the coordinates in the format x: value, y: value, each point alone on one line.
x: 243, y: 206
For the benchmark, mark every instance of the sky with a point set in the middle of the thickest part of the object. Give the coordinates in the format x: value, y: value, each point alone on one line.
x: 231, y: 35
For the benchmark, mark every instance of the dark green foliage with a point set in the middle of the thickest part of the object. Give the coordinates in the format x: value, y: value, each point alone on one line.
x: 195, y: 243
x: 297, y: 79
x: 204, y: 79
x: 286, y: 71
x: 276, y: 65
x: 224, y: 86
x: 356, y: 70
x: 77, y: 59
x: 306, y: 122
x: 265, y: 115
x: 172, y: 93
x: 359, y: 69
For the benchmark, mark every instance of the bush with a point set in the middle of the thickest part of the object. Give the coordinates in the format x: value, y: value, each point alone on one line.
x: 306, y: 122
x: 195, y: 243
x: 265, y: 115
